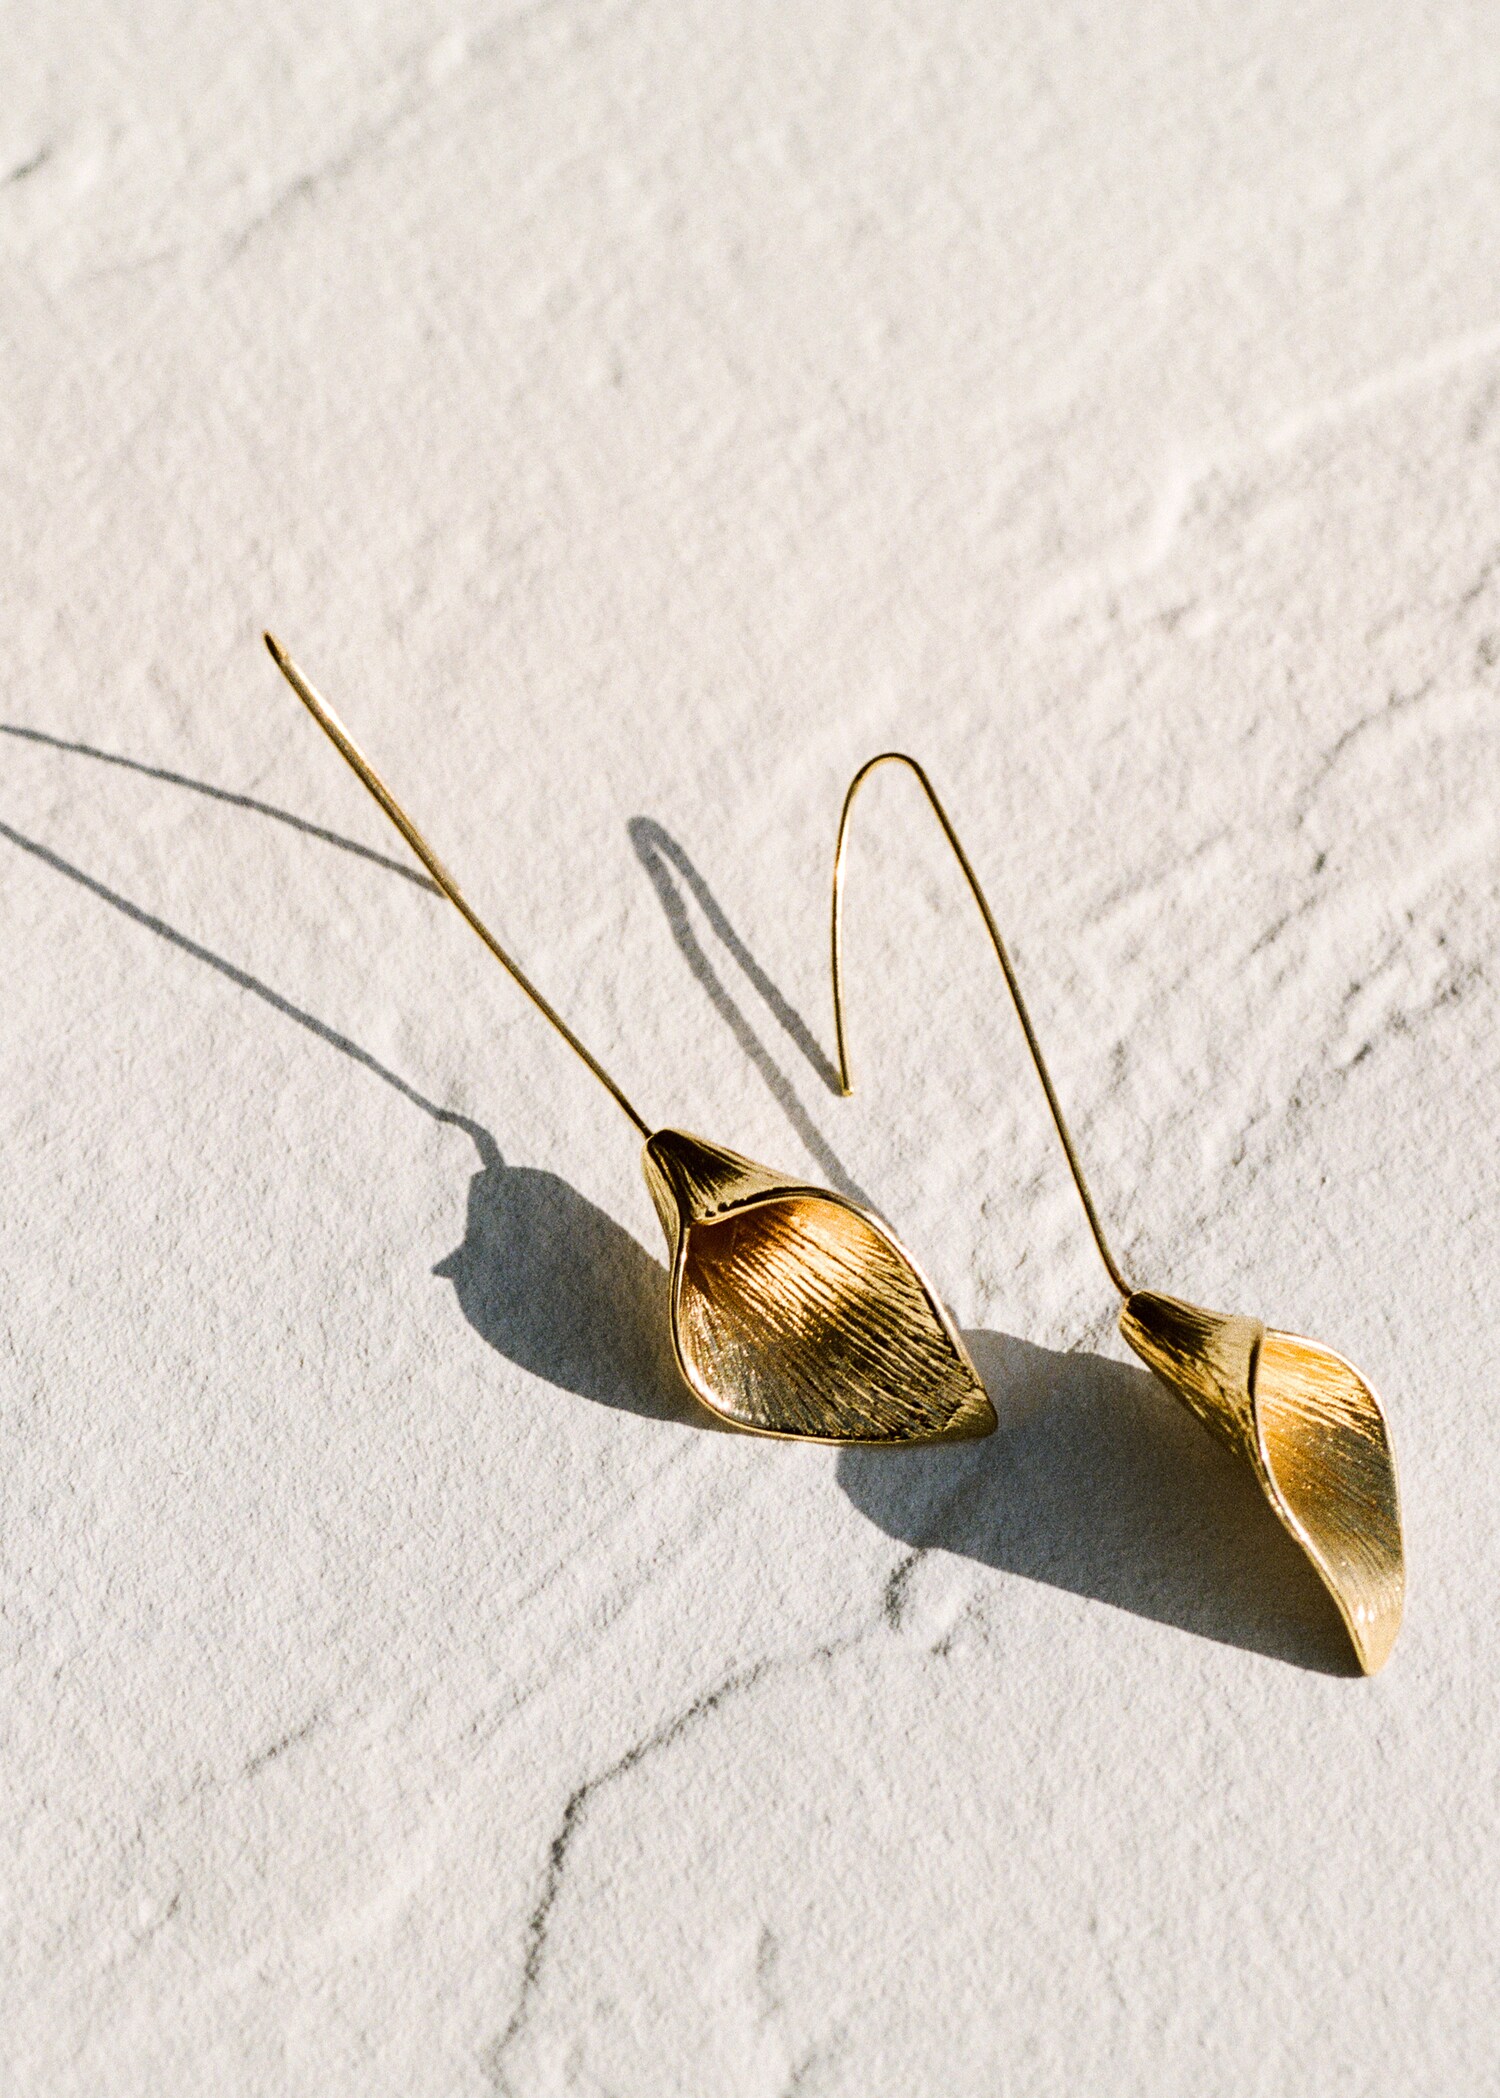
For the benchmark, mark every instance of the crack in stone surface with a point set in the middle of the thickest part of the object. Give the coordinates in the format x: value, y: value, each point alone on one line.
x: 573, y: 1812
x: 258, y: 1763
x: 582, y: 1797
x: 1394, y: 705
x: 24, y: 168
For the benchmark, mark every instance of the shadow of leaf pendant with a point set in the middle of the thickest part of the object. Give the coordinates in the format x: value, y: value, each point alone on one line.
x: 1304, y: 1419
x: 795, y: 1312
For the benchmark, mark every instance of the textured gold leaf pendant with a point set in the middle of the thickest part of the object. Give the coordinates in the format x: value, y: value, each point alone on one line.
x: 1314, y: 1434
x: 796, y: 1312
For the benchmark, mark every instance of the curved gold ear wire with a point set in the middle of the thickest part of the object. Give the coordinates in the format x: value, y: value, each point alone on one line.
x: 1303, y: 1418
x: 1002, y: 955
x: 795, y: 1312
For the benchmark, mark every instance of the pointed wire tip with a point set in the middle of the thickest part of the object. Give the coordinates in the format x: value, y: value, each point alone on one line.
x: 279, y: 655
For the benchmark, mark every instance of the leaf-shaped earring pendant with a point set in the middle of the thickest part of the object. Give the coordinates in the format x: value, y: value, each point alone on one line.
x: 1306, y: 1421
x: 1312, y: 1431
x: 795, y: 1312
x: 798, y: 1312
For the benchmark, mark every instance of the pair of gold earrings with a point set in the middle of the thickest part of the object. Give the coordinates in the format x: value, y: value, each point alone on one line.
x: 798, y: 1312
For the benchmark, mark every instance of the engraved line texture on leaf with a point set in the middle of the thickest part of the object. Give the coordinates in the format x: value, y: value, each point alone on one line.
x: 808, y: 1321
x: 1312, y: 1428
x: 1327, y: 1449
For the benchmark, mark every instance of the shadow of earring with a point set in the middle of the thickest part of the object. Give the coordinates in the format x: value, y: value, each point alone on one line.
x: 554, y: 1284
x: 1100, y: 1485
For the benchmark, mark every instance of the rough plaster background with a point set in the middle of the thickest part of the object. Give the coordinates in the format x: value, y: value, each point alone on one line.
x: 634, y: 415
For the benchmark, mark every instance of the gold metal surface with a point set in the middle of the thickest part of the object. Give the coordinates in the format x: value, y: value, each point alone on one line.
x: 1311, y: 1429
x: 795, y: 1312
x: 1305, y: 1420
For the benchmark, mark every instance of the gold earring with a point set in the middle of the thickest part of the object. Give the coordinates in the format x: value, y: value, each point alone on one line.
x: 1304, y: 1419
x: 795, y: 1312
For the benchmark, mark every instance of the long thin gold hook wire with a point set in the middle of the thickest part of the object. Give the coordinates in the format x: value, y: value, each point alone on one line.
x: 350, y: 751
x: 898, y: 757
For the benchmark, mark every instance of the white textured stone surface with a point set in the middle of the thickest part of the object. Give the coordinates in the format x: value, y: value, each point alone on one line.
x: 635, y: 416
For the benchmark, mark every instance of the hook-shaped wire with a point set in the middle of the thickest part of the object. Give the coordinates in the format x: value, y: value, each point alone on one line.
x: 1306, y: 1421
x: 899, y: 757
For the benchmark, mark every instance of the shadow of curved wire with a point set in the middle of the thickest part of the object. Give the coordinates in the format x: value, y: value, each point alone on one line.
x: 666, y: 865
x: 652, y: 843
x: 235, y: 801
x: 244, y: 981
x: 543, y: 1275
